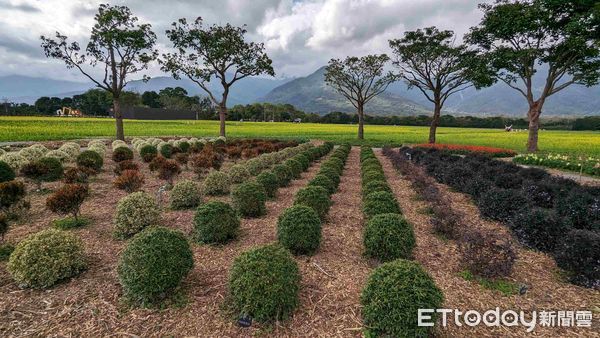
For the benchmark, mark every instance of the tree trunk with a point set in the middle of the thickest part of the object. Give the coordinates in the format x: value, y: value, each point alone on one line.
x: 435, y: 121
x: 118, y: 119
x: 222, y: 115
x: 535, y: 110
x: 361, y: 122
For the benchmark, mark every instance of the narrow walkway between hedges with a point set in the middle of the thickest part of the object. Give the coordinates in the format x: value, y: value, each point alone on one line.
x: 441, y: 259
x: 333, y: 278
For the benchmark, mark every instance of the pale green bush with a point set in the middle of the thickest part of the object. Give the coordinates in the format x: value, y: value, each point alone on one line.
x: 135, y: 212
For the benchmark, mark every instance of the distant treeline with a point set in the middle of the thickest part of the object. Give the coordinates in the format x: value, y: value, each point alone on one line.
x: 96, y: 102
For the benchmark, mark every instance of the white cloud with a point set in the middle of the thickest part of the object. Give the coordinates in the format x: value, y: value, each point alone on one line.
x: 300, y: 36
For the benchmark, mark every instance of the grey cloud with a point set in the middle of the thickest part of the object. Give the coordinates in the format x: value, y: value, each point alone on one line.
x: 20, y: 7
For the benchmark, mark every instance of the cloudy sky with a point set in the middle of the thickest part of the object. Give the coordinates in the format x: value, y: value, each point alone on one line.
x: 300, y: 35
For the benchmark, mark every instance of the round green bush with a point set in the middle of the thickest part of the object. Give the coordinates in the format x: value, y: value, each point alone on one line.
x: 380, y: 202
x: 268, y: 180
x: 304, y: 160
x: 238, y: 173
x: 337, y: 163
x: 314, y: 197
x: 184, y: 146
x: 215, y: 222
x: 6, y: 172
x: 332, y: 174
x: 373, y: 186
x: 373, y: 175
x: 264, y: 283
x: 153, y: 264
x: 184, y: 195
x: 332, y: 166
x: 90, y: 159
x: 135, y: 212
x: 394, y: 293
x: 122, y: 154
x: 283, y: 173
x: 323, y: 181
x: 370, y: 167
x: 148, y: 153
x: 249, y: 199
x: 45, y: 258
x: 371, y: 162
x: 54, y: 169
x: 216, y: 183
x: 299, y: 229
x: 388, y: 237
x: 166, y: 150
x: 295, y: 168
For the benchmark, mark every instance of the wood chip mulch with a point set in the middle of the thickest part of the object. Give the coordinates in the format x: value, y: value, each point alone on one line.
x: 546, y: 289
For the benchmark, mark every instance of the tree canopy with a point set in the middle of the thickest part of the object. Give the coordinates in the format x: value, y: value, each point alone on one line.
x: 205, y: 53
x: 118, y: 45
x: 359, y: 80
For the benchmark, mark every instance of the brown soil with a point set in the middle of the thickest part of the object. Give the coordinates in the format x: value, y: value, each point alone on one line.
x: 546, y: 288
x: 90, y: 305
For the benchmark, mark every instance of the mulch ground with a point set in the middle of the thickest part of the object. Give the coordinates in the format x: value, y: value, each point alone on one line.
x: 89, y: 304
x: 547, y: 290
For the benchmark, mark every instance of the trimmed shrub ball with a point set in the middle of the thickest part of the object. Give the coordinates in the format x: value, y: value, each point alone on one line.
x: 373, y: 175
x: 90, y: 159
x: 501, y: 204
x: 238, y: 173
x: 380, y: 202
x: 323, y: 181
x: 122, y: 154
x: 581, y: 208
x: 299, y: 229
x: 284, y: 174
x: 295, y: 168
x: 304, y: 160
x: 45, y: 258
x: 153, y: 264
x: 249, y: 199
x: 216, y: 183
x: 477, y: 186
x: 135, y: 212
x: 540, y: 228
x: 487, y: 254
x: 215, y: 222
x: 268, y: 180
x: 185, y: 195
x: 579, y: 253
x: 316, y: 198
x: 394, y: 293
x: 389, y: 237
x: 374, y: 186
x: 264, y: 283
x: 166, y: 150
x: 6, y: 172
x: 148, y: 153
x: 331, y: 174
x: 54, y: 169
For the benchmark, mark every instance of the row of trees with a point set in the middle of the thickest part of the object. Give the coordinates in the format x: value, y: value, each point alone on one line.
x: 513, y: 42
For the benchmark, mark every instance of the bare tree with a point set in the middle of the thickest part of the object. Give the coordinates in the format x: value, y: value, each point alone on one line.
x: 118, y: 44
x: 359, y: 80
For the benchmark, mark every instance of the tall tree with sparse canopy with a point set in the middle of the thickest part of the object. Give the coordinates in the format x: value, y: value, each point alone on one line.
x: 523, y: 38
x: 430, y: 61
x: 359, y: 80
x: 221, y: 52
x: 118, y: 45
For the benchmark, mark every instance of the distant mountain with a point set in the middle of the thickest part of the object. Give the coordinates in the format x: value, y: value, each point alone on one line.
x: 311, y: 94
x: 26, y: 89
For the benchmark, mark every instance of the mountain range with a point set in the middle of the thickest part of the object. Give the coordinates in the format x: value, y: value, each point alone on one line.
x: 311, y: 94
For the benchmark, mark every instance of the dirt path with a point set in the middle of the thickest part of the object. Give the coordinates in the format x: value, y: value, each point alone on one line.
x: 89, y: 305
x: 536, y: 270
x: 331, y: 298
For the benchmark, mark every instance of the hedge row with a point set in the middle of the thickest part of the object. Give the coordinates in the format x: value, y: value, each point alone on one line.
x: 399, y: 287
x: 550, y: 214
x: 483, y: 253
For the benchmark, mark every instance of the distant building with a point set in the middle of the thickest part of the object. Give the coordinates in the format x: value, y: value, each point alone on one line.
x: 297, y: 120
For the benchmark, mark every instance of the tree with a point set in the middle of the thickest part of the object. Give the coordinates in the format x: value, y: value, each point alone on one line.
x: 118, y: 44
x: 523, y: 38
x: 359, y: 80
x: 429, y: 60
x: 151, y: 99
x: 220, y: 52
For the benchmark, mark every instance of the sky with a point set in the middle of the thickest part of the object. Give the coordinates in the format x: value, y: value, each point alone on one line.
x: 299, y: 35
